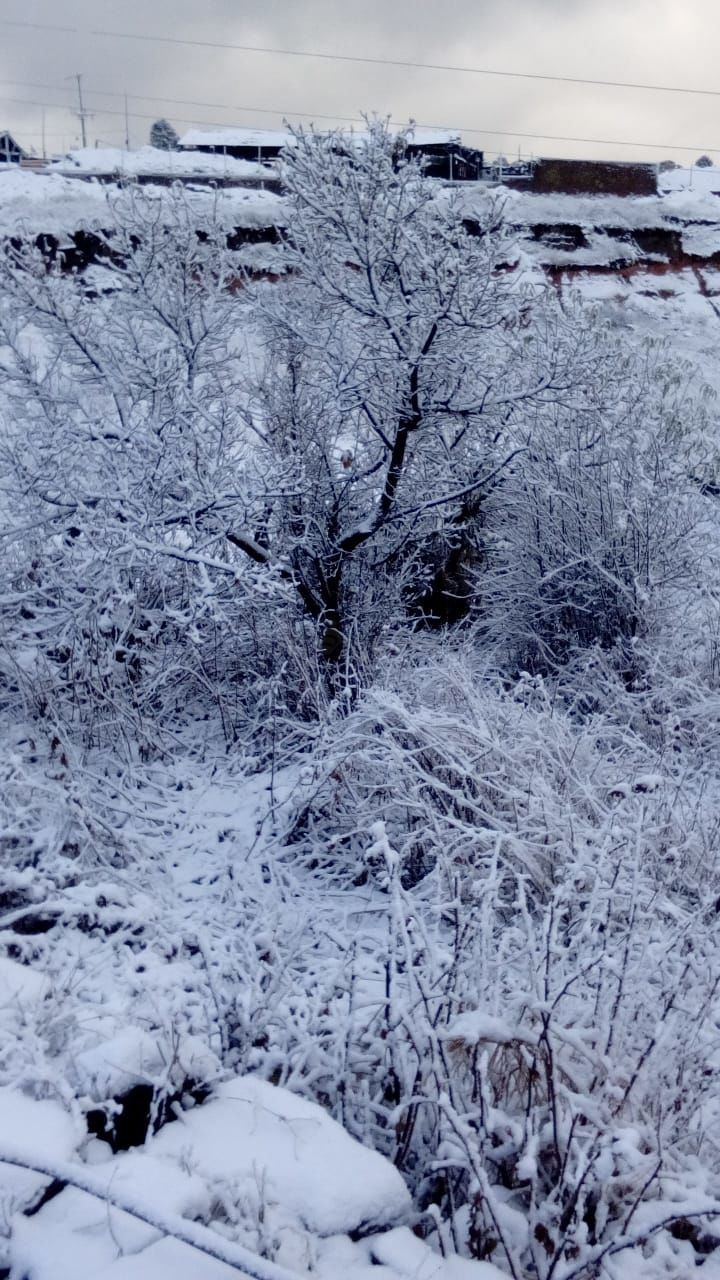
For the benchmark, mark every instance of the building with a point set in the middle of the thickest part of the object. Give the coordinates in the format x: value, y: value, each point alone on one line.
x: 594, y: 177
x: 10, y: 151
x: 443, y: 155
x: 259, y: 145
x: 151, y: 166
x: 442, y: 152
x: 510, y: 173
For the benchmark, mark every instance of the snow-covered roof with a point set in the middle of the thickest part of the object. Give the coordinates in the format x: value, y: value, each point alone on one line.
x: 153, y: 161
x: 420, y: 137
x: 416, y: 137
x: 283, y: 138
x: 431, y: 137
x: 237, y: 138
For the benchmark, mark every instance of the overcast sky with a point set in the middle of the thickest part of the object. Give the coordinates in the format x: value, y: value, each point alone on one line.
x: 672, y: 42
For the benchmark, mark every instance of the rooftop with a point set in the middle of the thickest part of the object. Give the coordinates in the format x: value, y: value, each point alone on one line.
x: 419, y: 137
x: 237, y: 138
x: 154, y: 162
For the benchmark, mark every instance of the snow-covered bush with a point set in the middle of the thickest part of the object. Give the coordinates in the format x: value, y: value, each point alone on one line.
x: 595, y: 520
x: 123, y: 455
x: 539, y: 1047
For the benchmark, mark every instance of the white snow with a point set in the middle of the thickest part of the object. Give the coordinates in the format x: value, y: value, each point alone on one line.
x: 113, y: 1066
x: 284, y: 1159
x: 702, y: 241
x: 165, y: 1258
x: 133, y: 1056
x: 40, y: 1129
x: 601, y: 251
x: 263, y: 1136
x: 76, y: 1233
x: 522, y: 208
x: 401, y: 1250
x: 77, y: 1236
x: 20, y: 984
x: 431, y: 137
x: 698, y: 179
x: 184, y: 940
x: 476, y: 1026
x: 57, y: 205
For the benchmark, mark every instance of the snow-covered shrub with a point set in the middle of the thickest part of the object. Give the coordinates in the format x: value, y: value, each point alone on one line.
x: 595, y: 518
x: 123, y: 453
x: 458, y: 765
x: 537, y: 1055
x: 554, y: 1063
x: 228, y: 502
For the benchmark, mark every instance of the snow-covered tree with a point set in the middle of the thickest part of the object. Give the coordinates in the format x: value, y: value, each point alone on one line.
x: 428, y: 416
x: 429, y: 436
x: 122, y: 470
x: 163, y: 136
x: 399, y: 357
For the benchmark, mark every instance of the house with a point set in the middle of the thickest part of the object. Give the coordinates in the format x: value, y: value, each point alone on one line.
x: 510, y: 173
x: 155, y: 167
x: 442, y: 152
x: 259, y: 145
x: 10, y: 151
x: 443, y: 155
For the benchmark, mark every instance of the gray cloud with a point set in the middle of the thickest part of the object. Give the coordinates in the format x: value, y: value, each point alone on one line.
x: 658, y: 41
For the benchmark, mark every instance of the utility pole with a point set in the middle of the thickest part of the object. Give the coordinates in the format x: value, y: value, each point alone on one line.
x: 127, y: 126
x: 81, y: 112
x: 44, y: 151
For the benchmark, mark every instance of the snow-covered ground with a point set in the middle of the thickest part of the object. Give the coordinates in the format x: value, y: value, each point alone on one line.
x: 642, y: 291
x: 698, y: 179
x: 137, y: 995
x: 51, y: 203
x: 681, y: 308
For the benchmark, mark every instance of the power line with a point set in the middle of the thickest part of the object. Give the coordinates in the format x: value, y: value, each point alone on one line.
x: 140, y: 115
x: 371, y: 61
x: 183, y: 102
x: 318, y: 115
x: 495, y: 133
x: 38, y: 26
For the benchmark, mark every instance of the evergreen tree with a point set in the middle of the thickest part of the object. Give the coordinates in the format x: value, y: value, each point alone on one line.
x: 163, y: 136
